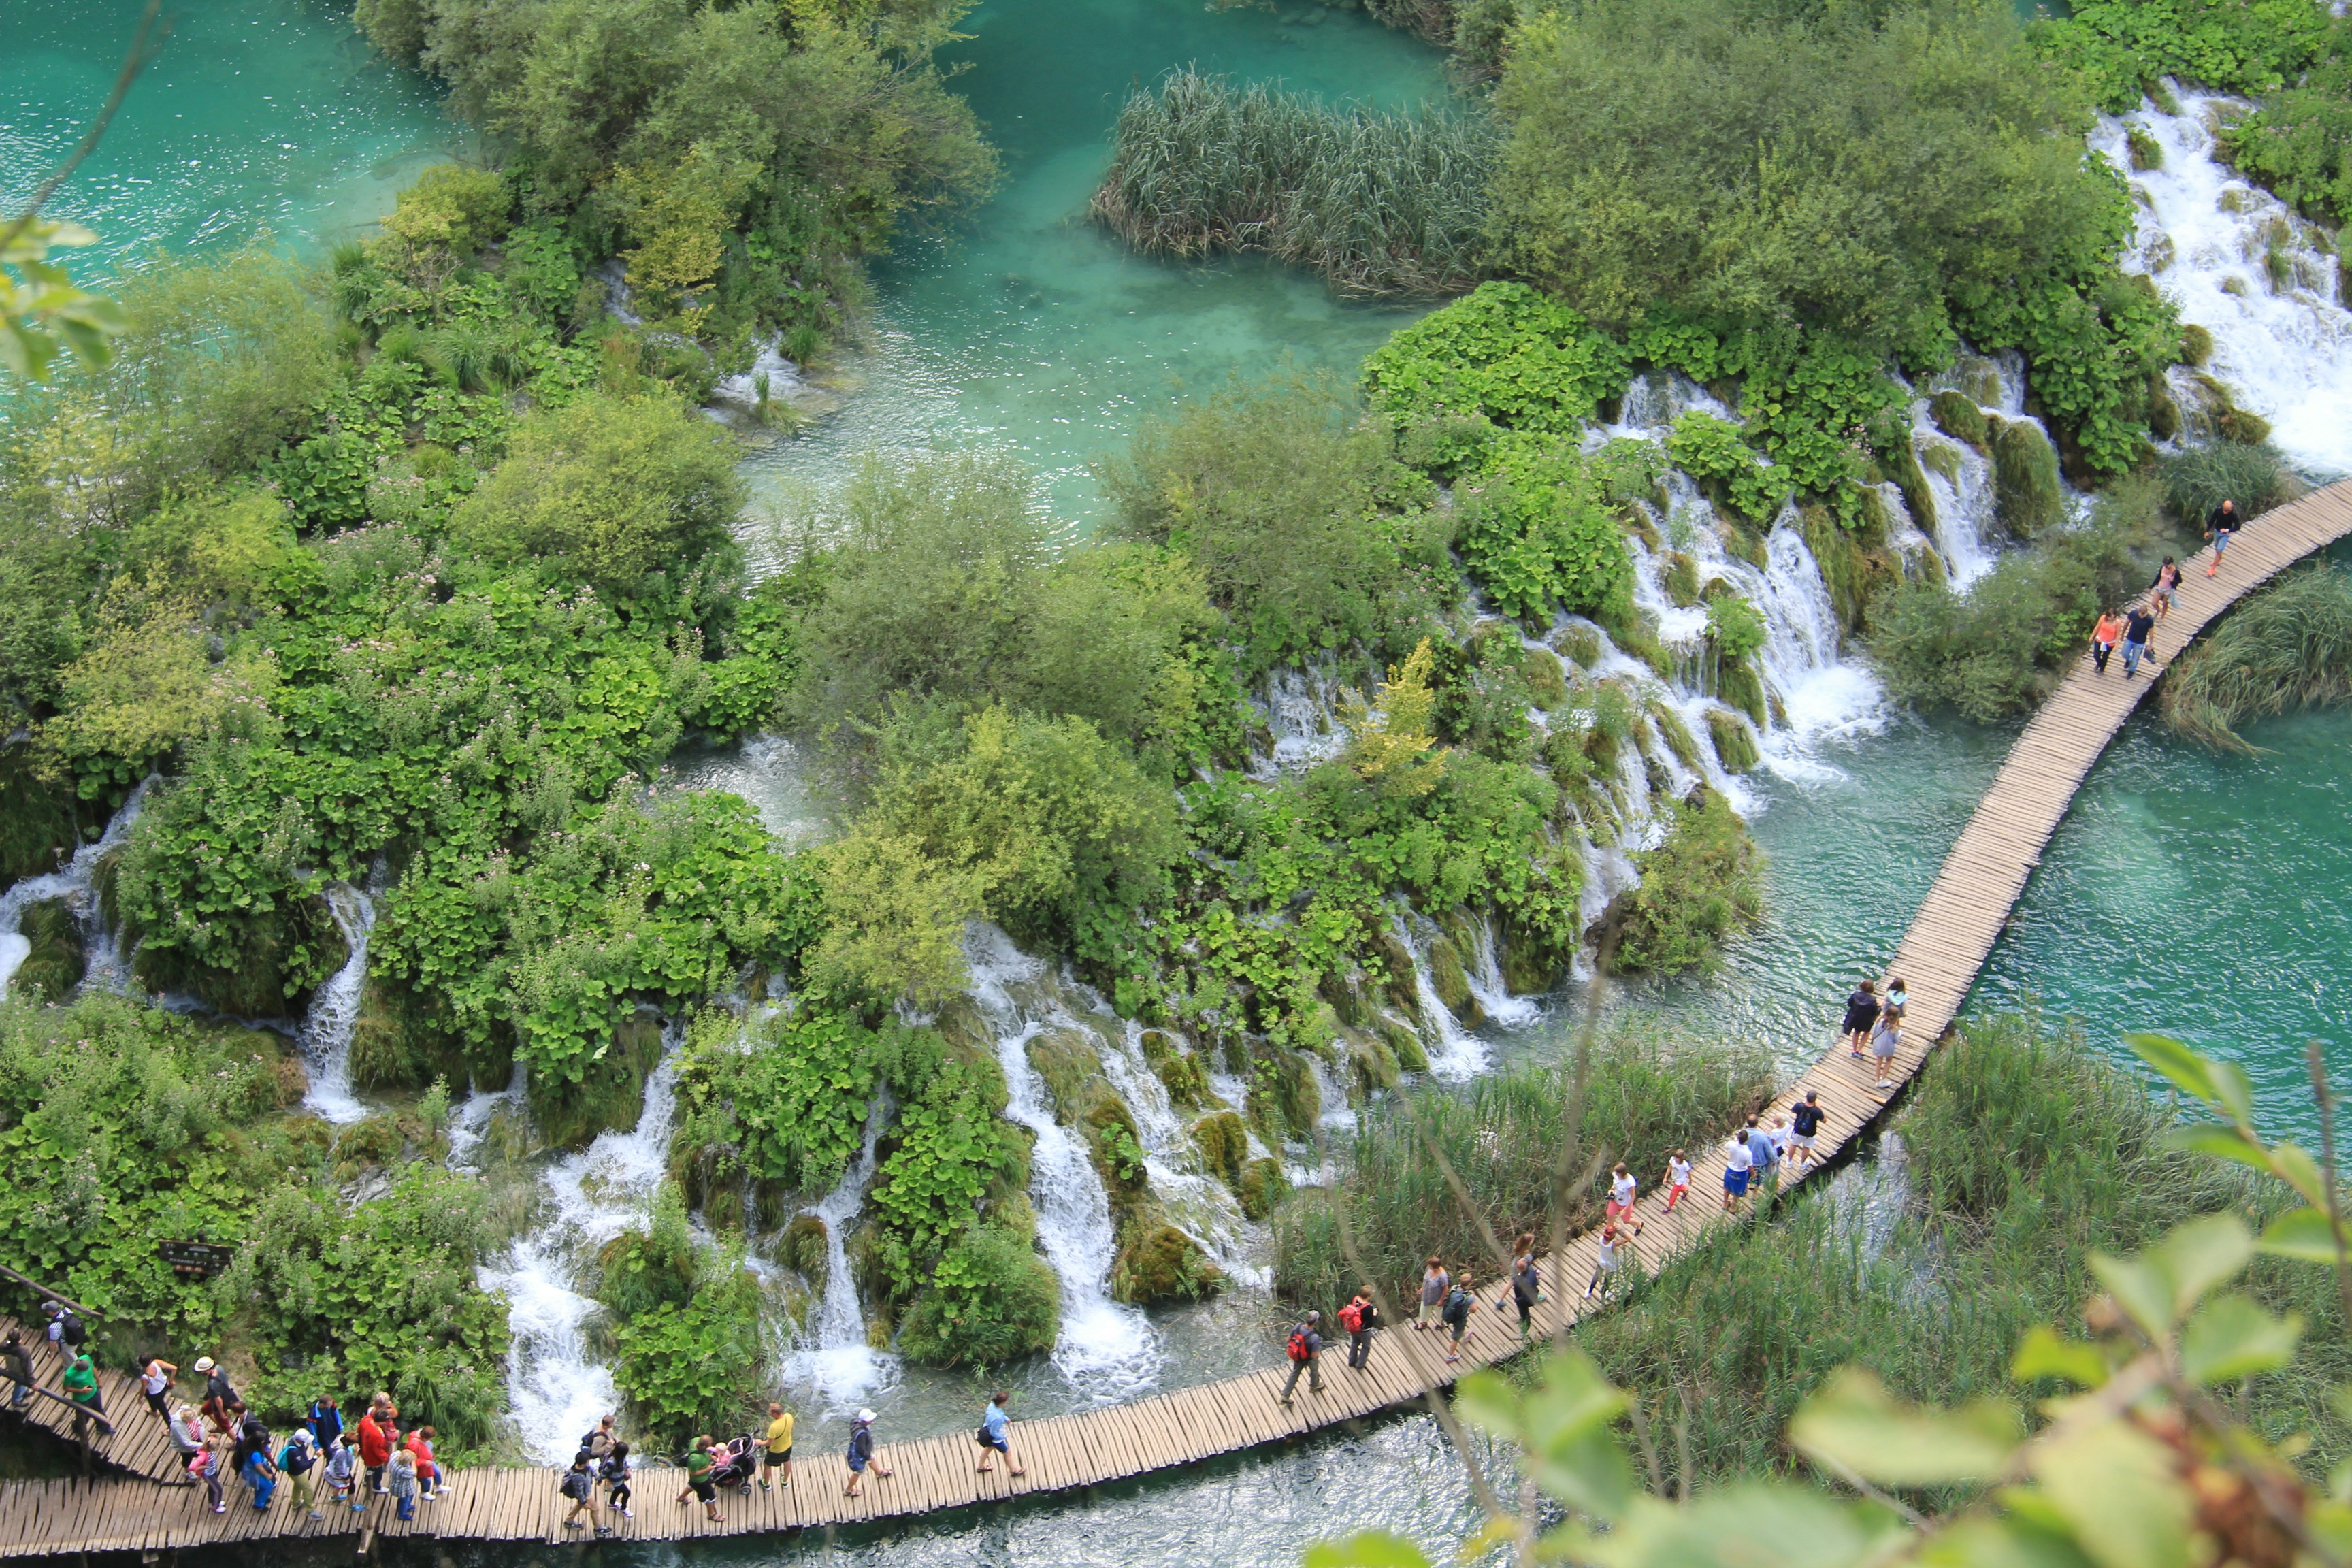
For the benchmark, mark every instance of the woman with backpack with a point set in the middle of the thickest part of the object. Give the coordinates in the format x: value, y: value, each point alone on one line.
x: 1304, y: 1346
x: 1360, y: 1318
x: 613, y: 1471
x: 296, y: 1460
x: 342, y: 1473
x: 1460, y: 1302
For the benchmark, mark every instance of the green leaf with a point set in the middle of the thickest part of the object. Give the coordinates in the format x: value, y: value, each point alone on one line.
x: 1855, y: 1424
x: 2116, y: 1490
x: 2222, y: 1085
x: 2233, y: 1337
x: 1367, y: 1549
x: 2302, y: 1234
x: 2043, y: 1352
x: 2160, y: 1286
x: 1565, y: 1427
x: 2221, y: 1143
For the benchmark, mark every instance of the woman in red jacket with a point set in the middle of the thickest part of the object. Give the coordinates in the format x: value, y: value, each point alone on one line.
x: 375, y: 1447
x: 429, y: 1474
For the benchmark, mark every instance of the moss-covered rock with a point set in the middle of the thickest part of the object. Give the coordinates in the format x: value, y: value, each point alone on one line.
x: 1451, y: 982
x: 41, y: 824
x: 1117, y: 1147
x: 611, y: 1092
x: 1904, y: 468
x: 1676, y: 734
x: 1580, y: 646
x: 286, y: 952
x: 1737, y: 683
x: 1404, y: 1043
x: 1682, y: 579
x: 2163, y: 420
x: 2195, y: 346
x: 373, y: 1143
x: 803, y: 1250
x: 1398, y: 960
x: 1370, y: 1058
x: 396, y: 1043
x: 1853, y: 571
x: 2225, y: 419
x: 1072, y: 1068
x: 1284, y: 1101
x: 1547, y: 684
x: 1956, y: 414
x: 1224, y: 1143
x: 1178, y: 1071
x: 1263, y: 1186
x: 1163, y: 1264
x: 58, y: 960
x: 1735, y: 742
x: 2026, y: 496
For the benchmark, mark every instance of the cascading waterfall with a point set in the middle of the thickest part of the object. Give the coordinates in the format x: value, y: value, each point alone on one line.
x: 555, y: 1389
x: 832, y: 1356
x: 73, y: 882
x: 1297, y: 707
x: 326, y: 1032
x: 1106, y: 1350
x: 1456, y: 1055
x: 1484, y: 971
x: 1201, y: 1206
x: 2239, y: 263
x: 1959, y: 482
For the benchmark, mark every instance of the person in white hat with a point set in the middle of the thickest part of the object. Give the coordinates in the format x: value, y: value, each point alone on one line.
x: 861, y: 1454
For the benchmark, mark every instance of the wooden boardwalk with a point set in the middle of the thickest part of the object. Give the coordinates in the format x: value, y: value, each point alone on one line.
x: 1938, y: 957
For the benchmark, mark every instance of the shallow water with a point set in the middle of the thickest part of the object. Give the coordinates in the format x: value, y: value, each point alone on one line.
x: 1034, y: 328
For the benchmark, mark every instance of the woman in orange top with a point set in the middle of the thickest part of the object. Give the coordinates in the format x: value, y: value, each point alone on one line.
x: 2104, y: 637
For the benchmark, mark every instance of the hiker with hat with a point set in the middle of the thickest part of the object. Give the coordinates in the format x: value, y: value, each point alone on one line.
x: 218, y: 1395
x: 861, y: 1454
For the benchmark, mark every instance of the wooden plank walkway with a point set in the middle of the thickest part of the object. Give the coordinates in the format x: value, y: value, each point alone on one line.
x: 138, y: 1445
x: 1938, y: 957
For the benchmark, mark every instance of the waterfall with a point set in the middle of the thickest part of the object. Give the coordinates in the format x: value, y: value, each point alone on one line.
x: 1105, y: 1351
x: 1201, y: 1206
x: 2239, y: 263
x: 1485, y: 973
x: 73, y: 882
x: 1456, y: 1055
x: 832, y: 1355
x: 1298, y: 708
x: 1959, y: 478
x: 326, y: 1033
x: 554, y: 1389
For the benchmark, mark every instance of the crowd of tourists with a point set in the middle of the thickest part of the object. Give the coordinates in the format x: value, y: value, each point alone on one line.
x: 2132, y: 627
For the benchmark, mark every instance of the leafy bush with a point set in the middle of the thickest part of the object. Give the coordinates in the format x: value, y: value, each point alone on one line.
x: 989, y: 1300
x: 2295, y: 142
x: 1699, y: 888
x: 951, y: 1149
x: 2288, y: 646
x: 1506, y: 354
x: 2119, y: 47
x: 1536, y: 532
x: 1711, y: 452
x: 1378, y: 202
x: 693, y: 1367
x: 784, y: 1098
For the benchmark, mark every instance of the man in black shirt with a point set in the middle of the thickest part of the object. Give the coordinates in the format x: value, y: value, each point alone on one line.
x: 2138, y: 626
x: 1804, y: 1121
x: 2224, y: 521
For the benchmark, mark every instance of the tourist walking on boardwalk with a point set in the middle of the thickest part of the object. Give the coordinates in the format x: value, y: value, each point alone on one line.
x: 995, y: 1435
x: 599, y: 1442
x: 342, y: 1473
x: 1526, y: 1284
x: 16, y: 1365
x: 205, y: 1467
x: 1435, y: 1283
x: 1460, y: 1302
x: 1604, y: 1263
x: 1737, y: 1161
x: 218, y: 1395
x: 698, y: 1478
x: 861, y: 1454
x: 1861, y: 1013
x: 1763, y: 1160
x: 1896, y: 996
x: 260, y: 1472
x: 779, y: 1453
x: 1360, y: 1318
x: 1805, y: 1119
x: 400, y: 1476
x: 80, y: 1381
x: 1304, y: 1346
x: 2168, y: 582
x: 613, y: 1471
x: 155, y: 1384
x: 579, y: 1484
x: 187, y: 1430
x: 2138, y: 626
x: 1624, y: 1193
x: 1885, y: 1040
x: 375, y: 1445
x: 67, y: 1334
x: 2104, y: 637
x: 1678, y: 1175
x: 2224, y: 523
x: 428, y: 1469
x: 325, y: 1419
x: 296, y: 1460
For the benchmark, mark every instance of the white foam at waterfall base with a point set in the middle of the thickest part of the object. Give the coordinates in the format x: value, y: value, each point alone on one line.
x: 2284, y: 348
x: 326, y: 1033
x: 73, y: 883
x: 1484, y: 971
x: 831, y: 1357
x: 1105, y: 1350
x: 555, y: 1390
x: 1457, y: 1056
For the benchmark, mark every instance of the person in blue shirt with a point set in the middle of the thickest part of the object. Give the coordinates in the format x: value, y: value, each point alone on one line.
x: 994, y: 1436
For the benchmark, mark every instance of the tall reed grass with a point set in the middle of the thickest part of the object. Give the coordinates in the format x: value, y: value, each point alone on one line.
x: 2018, y: 1155
x: 1648, y: 1092
x: 2288, y: 646
x: 1380, y: 203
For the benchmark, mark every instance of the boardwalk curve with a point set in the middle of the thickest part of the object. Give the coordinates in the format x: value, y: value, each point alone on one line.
x: 1938, y: 956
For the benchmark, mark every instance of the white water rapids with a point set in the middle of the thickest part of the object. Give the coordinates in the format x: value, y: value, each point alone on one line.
x: 833, y: 1358
x: 72, y: 882
x: 335, y: 1012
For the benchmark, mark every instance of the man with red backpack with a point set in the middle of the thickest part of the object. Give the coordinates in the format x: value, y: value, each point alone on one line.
x: 1305, y: 1345
x: 1360, y: 1318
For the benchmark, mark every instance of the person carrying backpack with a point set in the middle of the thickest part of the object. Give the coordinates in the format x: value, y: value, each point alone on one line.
x: 325, y: 1419
x: 579, y: 1486
x: 1527, y: 1286
x: 614, y: 1473
x: 1460, y: 1302
x: 16, y: 1365
x: 1304, y: 1347
x: 1360, y: 1318
x: 296, y: 1460
x: 342, y: 1473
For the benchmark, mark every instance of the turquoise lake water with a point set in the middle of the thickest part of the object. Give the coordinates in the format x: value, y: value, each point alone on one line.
x: 2190, y: 892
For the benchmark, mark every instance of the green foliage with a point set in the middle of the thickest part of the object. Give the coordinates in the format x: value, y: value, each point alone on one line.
x: 451, y: 208
x: 950, y: 1148
x: 627, y: 496
x: 1646, y: 1094
x: 989, y: 1299
x: 1536, y: 532
x: 1699, y: 888
x: 2286, y: 648
x: 41, y: 311
x: 2119, y: 47
x: 1309, y: 535
x: 1711, y: 452
x: 2295, y: 141
x: 1378, y: 202
x: 786, y: 1097
x: 691, y: 1367
x: 641, y: 1272
x: 2197, y: 480
x: 2091, y: 341
x: 1506, y: 354
x: 1735, y: 627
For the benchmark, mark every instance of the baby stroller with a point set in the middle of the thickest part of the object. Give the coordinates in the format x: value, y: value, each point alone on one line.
x: 736, y: 1462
